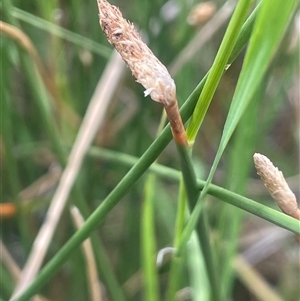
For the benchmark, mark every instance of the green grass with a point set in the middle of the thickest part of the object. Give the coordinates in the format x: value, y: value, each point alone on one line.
x: 134, y: 206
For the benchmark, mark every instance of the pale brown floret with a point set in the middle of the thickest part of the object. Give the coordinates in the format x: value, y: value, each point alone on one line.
x: 275, y: 182
x: 145, y: 67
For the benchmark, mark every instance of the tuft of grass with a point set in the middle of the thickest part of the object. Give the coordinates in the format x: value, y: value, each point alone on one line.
x: 50, y: 66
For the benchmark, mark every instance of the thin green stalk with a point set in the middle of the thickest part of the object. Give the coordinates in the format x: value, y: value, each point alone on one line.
x: 7, y: 134
x: 240, y: 163
x: 202, y: 230
x: 42, y: 101
x: 244, y: 33
x: 218, y: 67
x: 227, y: 196
x: 188, y: 174
x: 192, y: 191
x: 201, y: 290
x: 177, y: 261
x: 106, y: 271
x: 148, y: 243
x: 246, y: 204
x: 181, y: 212
x: 278, y: 218
x: 61, y: 32
x: 114, y: 197
x: 254, y: 67
x: 151, y: 279
x: 200, y: 111
x: 174, y: 276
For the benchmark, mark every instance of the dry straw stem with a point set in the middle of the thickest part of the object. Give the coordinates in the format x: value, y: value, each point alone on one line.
x: 277, y: 186
x: 42, y: 185
x: 254, y: 281
x: 9, y: 262
x: 91, y: 123
x: 94, y: 286
x: 13, y: 268
x: 145, y: 67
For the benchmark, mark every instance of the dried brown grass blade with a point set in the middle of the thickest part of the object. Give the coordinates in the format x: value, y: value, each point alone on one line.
x: 93, y: 119
x: 91, y: 270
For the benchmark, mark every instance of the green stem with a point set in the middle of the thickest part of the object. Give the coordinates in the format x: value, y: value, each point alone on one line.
x: 181, y: 213
x: 218, y: 67
x: 208, y: 254
x: 106, y: 271
x: 148, y: 243
x: 192, y: 191
x: 177, y: 262
x: 61, y: 32
x: 246, y: 204
x: 188, y: 175
x: 174, y: 277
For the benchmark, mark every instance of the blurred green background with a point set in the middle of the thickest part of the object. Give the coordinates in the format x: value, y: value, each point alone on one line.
x: 74, y: 65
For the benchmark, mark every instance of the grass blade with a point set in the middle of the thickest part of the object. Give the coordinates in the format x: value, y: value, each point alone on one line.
x: 61, y: 32
x: 218, y: 68
x: 265, y: 39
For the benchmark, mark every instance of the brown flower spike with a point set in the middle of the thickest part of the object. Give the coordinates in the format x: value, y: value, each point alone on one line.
x: 145, y: 67
x: 277, y: 186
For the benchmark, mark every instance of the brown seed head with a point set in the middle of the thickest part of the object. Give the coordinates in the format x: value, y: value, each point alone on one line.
x: 145, y: 67
x: 276, y: 184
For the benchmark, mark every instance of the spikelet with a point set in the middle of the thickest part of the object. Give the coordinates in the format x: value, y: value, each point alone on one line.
x: 145, y: 67
x: 277, y: 186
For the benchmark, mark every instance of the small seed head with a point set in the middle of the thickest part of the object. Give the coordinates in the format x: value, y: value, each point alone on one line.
x: 275, y: 182
x: 145, y: 67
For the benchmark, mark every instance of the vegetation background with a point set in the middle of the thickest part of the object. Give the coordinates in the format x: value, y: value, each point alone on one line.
x: 40, y: 121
